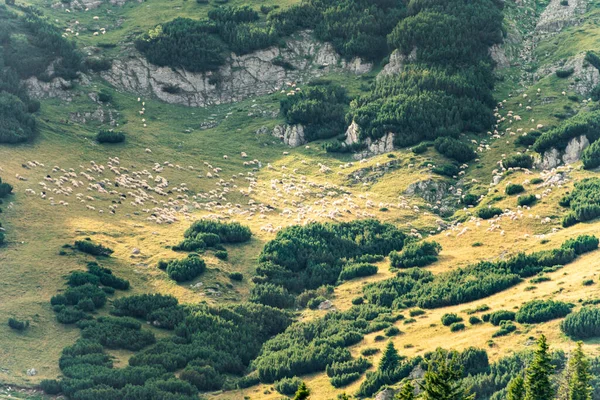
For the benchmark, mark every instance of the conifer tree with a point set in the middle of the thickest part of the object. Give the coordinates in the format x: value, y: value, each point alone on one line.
x: 390, y: 360
x: 442, y: 380
x: 537, y: 374
x: 407, y: 392
x: 302, y: 393
x: 516, y: 389
x: 579, y: 381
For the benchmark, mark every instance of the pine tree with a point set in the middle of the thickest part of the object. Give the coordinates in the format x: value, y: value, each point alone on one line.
x: 302, y: 393
x: 537, y: 375
x: 390, y: 360
x: 442, y: 380
x: 407, y: 392
x: 579, y: 382
x: 516, y: 389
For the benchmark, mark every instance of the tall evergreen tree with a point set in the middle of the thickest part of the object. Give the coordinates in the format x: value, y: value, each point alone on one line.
x: 516, y: 389
x: 579, y: 381
x: 390, y: 360
x: 442, y: 380
x: 407, y: 392
x: 537, y: 374
x: 302, y: 393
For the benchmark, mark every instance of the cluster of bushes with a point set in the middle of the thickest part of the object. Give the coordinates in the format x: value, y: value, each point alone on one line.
x: 160, y: 310
x: 417, y: 287
x: 18, y: 325
x: 344, y: 373
x: 354, y: 27
x: 5, y: 190
x: 518, y: 161
x: 307, y: 257
x: 97, y: 275
x: 359, y: 270
x: 583, y: 201
x: 288, y: 386
x: 506, y: 328
x: 582, y: 324
x: 226, y: 232
x: 587, y: 124
x: 454, y: 148
x: 116, y: 333
x: 449, y: 319
x: 94, y: 249
x: 564, y: 73
x: 591, y: 156
x: 417, y: 254
x: 496, y: 317
x: 489, y: 212
x: 537, y: 311
x: 320, y: 107
x: 528, y: 138
x: 184, y: 269
x: 448, y: 89
x: 110, y: 136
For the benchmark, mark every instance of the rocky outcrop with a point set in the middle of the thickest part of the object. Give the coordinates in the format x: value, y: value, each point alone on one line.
x: 57, y: 88
x: 386, y: 394
x: 384, y: 144
x: 352, y: 134
x: 99, y: 115
x: 442, y: 195
x: 292, y: 135
x: 572, y: 153
x: 585, y: 76
x: 86, y: 5
x: 396, y: 63
x: 499, y: 56
x: 244, y: 76
x: 558, y: 15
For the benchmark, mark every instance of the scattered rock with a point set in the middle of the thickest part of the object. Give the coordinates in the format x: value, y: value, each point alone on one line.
x: 32, y: 372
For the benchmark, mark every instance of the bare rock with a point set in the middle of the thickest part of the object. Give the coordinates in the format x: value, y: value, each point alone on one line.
x: 99, y: 115
x: 352, y: 134
x: 31, y: 372
x: 396, y: 63
x: 56, y: 88
x: 557, y: 16
x: 572, y: 153
x: 292, y: 135
x: 499, y: 56
x: 386, y: 394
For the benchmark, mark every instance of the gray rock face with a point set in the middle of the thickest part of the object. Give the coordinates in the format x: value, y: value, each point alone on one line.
x: 352, y: 134
x: 382, y: 145
x: 572, y: 153
x: 292, y: 135
x: 439, y: 193
x: 557, y: 16
x: 585, y: 76
x: 57, y: 88
x: 245, y: 76
x: 89, y: 4
x: 499, y: 56
x: 99, y: 115
x: 386, y: 394
x: 396, y: 63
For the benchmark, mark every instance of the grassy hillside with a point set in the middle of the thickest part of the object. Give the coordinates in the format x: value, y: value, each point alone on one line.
x: 232, y: 173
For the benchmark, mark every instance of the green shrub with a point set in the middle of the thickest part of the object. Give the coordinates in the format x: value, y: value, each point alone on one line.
x: 457, y: 326
x: 416, y: 312
x: 417, y: 254
x: 352, y: 271
x: 236, y: 276
x: 470, y: 199
x: 582, y: 324
x: 502, y: 315
x: 587, y: 124
x: 474, y: 320
x: 50, y: 386
x: 17, y: 325
x: 518, y: 161
x: 186, y: 269
x: 94, y: 249
x: 357, y: 301
x: 449, y: 319
x: 271, y: 295
x: 420, y: 148
x: 391, y: 331
x: 449, y: 170
x: 488, y: 213
x: 564, y: 73
x: 105, y: 136
x: 514, y: 189
x: 537, y: 311
x: 455, y: 149
x: 369, y: 351
x: 526, y: 200
x: 232, y: 232
x: 506, y: 327
x: 588, y: 282
x: 221, y: 254
x: 288, y: 386
x: 591, y: 156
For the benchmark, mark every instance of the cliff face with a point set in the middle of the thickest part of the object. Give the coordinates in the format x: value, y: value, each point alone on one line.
x: 253, y: 74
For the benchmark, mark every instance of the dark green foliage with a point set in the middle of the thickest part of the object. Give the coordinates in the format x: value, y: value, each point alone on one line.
x: 470, y: 199
x: 203, y: 377
x: 116, y: 333
x: 221, y: 254
x: 105, y: 96
x: 513, y: 188
x: 449, y: 170
x: 591, y: 156
x: 528, y: 138
x: 537, y: 375
x: 593, y: 59
x: 271, y: 295
x: 313, y: 304
x: 518, y: 161
x: 391, y: 331
x: 236, y: 276
x: 16, y: 123
x: 343, y: 373
x: 454, y: 148
x: 420, y: 149
x: 94, y: 249
x: 564, y: 73
x: 109, y: 136
x: 516, y: 388
x: 473, y: 320
x: 449, y: 319
x: 537, y: 311
x: 302, y: 393
x: 186, y: 269
x: 357, y: 301
x: 352, y: 271
x: 50, y: 386
x: 584, y: 201
x: 229, y: 232
x: 582, y: 324
x: 369, y: 352
x: 288, y: 386
x: 588, y: 282
x: 457, y: 326
x: 442, y: 379
x: 17, y: 325
x: 319, y: 107
x: 73, y: 295
x: 5, y: 189
x: 587, y: 124
x: 489, y: 212
x: 417, y: 254
x: 106, y: 277
x: 307, y: 257
x: 502, y: 315
x: 162, y: 311
x: 506, y: 327
x: 526, y: 200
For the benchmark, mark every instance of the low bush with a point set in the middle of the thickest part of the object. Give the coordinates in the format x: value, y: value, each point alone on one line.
x: 506, y: 327
x: 50, y: 386
x: 538, y: 311
x: 357, y: 301
x: 417, y: 254
x: 360, y: 270
x: 564, y: 73
x: 474, y: 320
x: 518, y: 161
x: 502, y: 315
x: 229, y: 232
x: 221, y: 254
x: 582, y: 324
x: 449, y: 319
x: 391, y: 331
x: 454, y: 149
x: 186, y: 269
x: 513, y: 188
x: 94, y: 249
x: 106, y: 136
x: 489, y: 212
x: 591, y: 156
x: 526, y: 200
x: 457, y: 326
x: 236, y: 276
x: 288, y: 386
x: 17, y: 325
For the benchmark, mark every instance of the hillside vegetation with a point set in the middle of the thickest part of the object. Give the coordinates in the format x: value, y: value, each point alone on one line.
x: 433, y: 233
